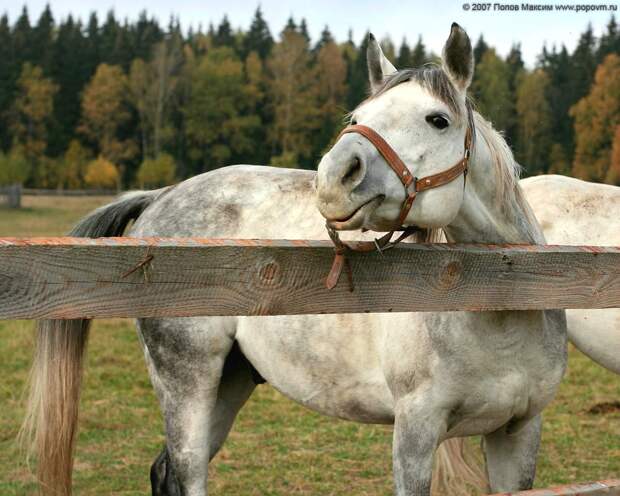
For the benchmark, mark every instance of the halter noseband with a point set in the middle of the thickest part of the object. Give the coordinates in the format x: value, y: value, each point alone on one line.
x: 412, y: 186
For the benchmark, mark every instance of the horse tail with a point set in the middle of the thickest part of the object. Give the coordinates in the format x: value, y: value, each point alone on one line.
x: 50, y: 426
x: 458, y: 470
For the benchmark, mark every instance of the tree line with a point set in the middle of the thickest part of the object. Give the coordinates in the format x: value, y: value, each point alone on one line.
x: 122, y: 104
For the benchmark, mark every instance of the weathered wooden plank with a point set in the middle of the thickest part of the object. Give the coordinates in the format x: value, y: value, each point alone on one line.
x: 605, y: 487
x: 152, y: 277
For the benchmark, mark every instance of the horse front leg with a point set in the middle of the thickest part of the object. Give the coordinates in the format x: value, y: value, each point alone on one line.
x: 417, y: 430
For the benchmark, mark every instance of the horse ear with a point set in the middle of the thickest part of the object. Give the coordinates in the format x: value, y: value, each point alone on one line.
x: 458, y: 58
x: 378, y: 64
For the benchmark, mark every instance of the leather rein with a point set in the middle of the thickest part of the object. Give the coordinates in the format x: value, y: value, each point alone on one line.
x: 412, y: 185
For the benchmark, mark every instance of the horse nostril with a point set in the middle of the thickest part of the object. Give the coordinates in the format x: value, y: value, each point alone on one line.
x: 355, y: 167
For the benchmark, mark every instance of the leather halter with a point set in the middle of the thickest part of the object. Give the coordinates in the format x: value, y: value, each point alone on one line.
x: 412, y: 185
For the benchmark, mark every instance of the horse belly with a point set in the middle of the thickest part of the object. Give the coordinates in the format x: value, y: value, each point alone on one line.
x: 327, y: 363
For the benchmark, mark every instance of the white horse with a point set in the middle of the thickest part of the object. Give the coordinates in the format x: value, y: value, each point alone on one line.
x: 435, y: 376
x: 574, y: 212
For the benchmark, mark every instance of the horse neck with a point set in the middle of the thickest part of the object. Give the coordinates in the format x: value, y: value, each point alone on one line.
x: 494, y: 209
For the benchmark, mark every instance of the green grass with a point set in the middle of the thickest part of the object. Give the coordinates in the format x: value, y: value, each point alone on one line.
x: 276, y: 447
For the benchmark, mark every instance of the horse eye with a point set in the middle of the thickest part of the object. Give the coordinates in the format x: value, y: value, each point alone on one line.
x: 353, y: 121
x: 439, y: 121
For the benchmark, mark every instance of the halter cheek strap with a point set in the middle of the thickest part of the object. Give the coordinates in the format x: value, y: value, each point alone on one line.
x: 412, y: 187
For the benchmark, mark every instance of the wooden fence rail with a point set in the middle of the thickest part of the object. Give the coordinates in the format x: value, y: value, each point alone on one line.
x: 156, y: 277
x: 602, y: 488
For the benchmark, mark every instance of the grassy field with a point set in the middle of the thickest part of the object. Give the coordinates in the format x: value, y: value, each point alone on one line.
x: 276, y: 447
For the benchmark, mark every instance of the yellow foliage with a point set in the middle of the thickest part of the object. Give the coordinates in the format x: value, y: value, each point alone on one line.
x: 156, y: 172
x: 74, y: 165
x: 14, y: 167
x: 104, y: 110
x: 597, y: 116
x: 102, y: 173
x: 286, y: 159
x: 32, y: 110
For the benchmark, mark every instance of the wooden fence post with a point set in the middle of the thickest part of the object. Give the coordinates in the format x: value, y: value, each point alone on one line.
x: 14, y: 195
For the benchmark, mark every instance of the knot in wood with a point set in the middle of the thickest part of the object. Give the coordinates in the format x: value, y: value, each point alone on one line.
x: 450, y: 275
x: 268, y: 272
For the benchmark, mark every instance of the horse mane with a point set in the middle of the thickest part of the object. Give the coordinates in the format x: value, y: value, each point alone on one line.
x: 508, y: 193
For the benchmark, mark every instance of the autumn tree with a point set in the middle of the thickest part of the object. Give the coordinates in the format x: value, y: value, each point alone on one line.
x: 597, y: 116
x: 217, y: 126
x: 491, y: 90
x: 32, y: 111
x: 534, y: 126
x: 105, y: 110
x: 331, y: 93
x: 74, y: 164
x: 152, y: 85
x: 293, y: 97
x: 101, y: 173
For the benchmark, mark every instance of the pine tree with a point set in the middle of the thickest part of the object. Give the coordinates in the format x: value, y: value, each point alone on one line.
x: 404, y: 56
x: 419, y: 56
x: 515, y: 64
x: 610, y: 41
x: 358, y: 76
x: 42, y: 40
x: 558, y: 67
x: 303, y: 30
x: 258, y: 38
x: 145, y: 34
x: 326, y: 38
x: 583, y: 64
x: 480, y: 49
x: 69, y: 68
x: 108, y: 37
x: 93, y: 42
x: 224, y: 35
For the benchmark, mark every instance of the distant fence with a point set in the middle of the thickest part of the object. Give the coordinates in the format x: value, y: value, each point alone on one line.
x: 68, y: 192
x: 11, y: 195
